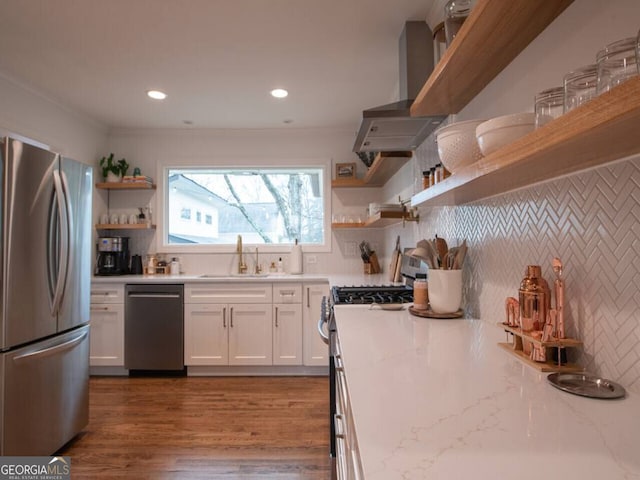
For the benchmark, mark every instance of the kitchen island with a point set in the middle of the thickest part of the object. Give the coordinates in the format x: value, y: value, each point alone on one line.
x: 438, y: 399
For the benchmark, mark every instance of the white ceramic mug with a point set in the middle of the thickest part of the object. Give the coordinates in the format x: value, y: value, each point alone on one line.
x: 114, y: 219
x: 445, y: 290
x: 123, y: 218
x: 104, y: 218
x: 133, y: 219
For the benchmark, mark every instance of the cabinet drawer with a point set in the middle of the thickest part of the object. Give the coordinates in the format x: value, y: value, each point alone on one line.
x: 107, y: 293
x: 287, y: 293
x: 229, y: 293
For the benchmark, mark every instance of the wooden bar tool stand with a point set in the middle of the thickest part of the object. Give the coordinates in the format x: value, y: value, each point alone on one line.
x: 515, y: 347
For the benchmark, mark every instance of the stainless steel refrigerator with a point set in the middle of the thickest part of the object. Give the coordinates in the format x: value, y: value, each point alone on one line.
x: 45, y: 258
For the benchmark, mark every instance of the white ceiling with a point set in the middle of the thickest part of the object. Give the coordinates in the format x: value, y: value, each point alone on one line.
x: 216, y: 59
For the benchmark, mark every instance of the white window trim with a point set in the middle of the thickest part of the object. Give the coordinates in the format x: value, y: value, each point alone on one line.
x: 160, y: 216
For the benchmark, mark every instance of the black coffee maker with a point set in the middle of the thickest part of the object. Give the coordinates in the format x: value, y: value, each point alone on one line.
x: 113, y: 256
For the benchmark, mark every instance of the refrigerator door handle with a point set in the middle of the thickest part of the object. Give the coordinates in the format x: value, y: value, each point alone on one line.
x: 64, y: 243
x: 68, y: 345
x: 68, y: 232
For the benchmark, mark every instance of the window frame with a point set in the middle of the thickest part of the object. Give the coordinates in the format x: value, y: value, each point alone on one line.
x: 160, y: 219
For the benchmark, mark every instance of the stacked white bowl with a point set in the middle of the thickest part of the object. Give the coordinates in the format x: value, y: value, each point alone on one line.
x: 457, y: 144
x: 500, y: 131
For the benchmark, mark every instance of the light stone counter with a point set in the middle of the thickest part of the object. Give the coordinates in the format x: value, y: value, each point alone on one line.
x: 438, y: 399
x: 333, y: 279
x: 199, y: 278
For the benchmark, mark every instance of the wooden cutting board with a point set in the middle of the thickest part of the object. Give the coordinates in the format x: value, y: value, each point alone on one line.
x: 396, y: 261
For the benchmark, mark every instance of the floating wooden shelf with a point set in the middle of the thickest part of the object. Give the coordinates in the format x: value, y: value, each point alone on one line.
x: 125, y: 186
x: 493, y: 35
x: 515, y: 348
x: 385, y: 165
x: 347, y: 225
x: 600, y: 131
x: 127, y: 226
x: 380, y: 220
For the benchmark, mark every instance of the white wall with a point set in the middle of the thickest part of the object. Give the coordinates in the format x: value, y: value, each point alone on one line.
x: 150, y: 149
x: 32, y: 115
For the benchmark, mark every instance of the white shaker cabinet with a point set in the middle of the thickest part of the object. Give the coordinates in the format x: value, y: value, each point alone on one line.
x: 228, y: 324
x: 107, y: 326
x: 287, y: 324
x: 315, y: 351
x: 206, y: 334
x: 250, y: 334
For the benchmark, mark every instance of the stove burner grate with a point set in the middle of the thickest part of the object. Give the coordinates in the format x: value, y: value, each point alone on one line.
x: 364, y: 295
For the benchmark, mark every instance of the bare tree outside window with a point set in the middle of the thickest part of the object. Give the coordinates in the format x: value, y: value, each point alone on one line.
x: 265, y: 205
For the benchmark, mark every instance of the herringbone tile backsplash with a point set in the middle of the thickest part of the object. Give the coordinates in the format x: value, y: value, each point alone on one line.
x: 590, y: 220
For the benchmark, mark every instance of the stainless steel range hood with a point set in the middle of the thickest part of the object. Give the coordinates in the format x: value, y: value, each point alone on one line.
x: 391, y: 127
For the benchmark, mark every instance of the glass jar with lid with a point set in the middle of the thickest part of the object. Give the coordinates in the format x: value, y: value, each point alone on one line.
x: 420, y: 292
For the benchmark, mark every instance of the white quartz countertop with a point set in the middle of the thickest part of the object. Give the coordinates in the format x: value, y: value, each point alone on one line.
x: 208, y: 278
x: 438, y: 399
x: 333, y: 279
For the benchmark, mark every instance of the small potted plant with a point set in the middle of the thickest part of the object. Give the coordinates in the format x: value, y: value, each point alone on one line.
x: 113, y: 171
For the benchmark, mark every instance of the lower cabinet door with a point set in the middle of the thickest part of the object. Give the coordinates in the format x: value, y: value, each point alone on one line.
x: 206, y: 334
x: 107, y: 335
x: 250, y: 334
x: 287, y: 334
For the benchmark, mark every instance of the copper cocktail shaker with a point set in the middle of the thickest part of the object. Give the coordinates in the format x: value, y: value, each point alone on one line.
x: 535, y: 301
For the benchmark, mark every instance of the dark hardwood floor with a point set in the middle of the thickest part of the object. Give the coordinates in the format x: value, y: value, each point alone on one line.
x: 204, y: 427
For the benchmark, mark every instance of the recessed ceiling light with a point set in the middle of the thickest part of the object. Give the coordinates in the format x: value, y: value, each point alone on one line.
x: 279, y: 93
x: 156, y: 94
x: 287, y: 121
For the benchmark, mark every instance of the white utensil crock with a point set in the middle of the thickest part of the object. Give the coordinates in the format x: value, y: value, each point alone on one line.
x: 445, y: 290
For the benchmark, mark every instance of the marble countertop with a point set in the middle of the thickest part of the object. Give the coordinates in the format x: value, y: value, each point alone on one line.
x: 438, y: 399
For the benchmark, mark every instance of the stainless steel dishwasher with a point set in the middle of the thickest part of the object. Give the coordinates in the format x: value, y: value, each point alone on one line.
x: 154, y: 327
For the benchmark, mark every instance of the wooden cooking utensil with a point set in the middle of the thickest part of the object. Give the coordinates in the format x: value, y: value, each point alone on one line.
x: 442, y: 248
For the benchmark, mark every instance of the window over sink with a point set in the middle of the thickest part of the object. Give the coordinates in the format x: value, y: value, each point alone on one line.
x: 208, y: 207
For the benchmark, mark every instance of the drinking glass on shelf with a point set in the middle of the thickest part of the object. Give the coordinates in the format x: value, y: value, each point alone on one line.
x: 455, y: 13
x: 616, y: 63
x: 580, y: 86
x: 549, y: 104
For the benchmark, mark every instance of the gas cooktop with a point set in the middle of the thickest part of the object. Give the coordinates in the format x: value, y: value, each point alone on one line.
x: 369, y: 294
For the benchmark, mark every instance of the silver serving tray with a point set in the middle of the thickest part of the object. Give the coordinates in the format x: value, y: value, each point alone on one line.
x: 586, y: 385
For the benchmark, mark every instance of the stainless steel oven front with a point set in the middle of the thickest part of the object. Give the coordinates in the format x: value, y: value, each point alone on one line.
x: 327, y: 331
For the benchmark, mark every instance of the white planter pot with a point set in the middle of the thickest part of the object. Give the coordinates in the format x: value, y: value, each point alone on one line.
x: 112, y: 177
